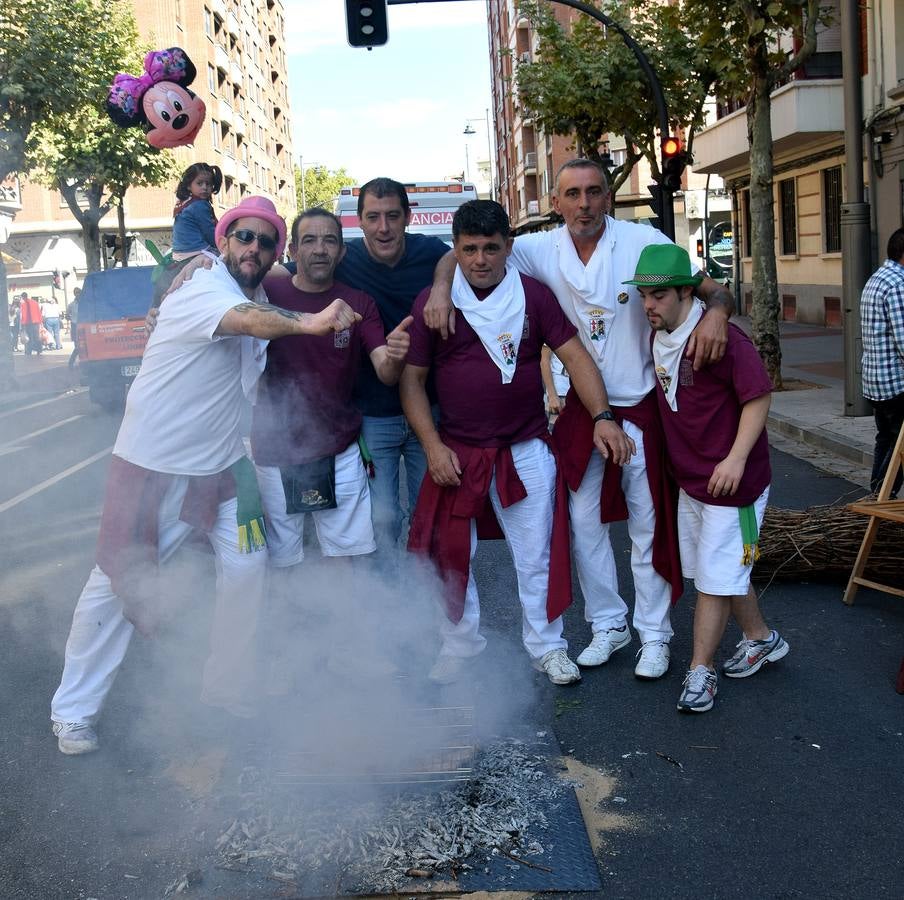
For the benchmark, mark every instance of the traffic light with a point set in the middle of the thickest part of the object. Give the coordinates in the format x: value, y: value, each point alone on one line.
x: 674, y: 161
x: 655, y: 204
x: 700, y: 247
x: 366, y: 23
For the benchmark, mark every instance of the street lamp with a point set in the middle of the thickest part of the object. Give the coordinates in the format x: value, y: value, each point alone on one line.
x: 469, y: 130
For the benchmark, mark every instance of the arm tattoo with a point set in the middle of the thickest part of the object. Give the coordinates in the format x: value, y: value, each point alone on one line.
x: 250, y: 307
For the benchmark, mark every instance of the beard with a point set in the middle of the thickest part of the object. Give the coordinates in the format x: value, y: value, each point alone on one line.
x: 245, y: 279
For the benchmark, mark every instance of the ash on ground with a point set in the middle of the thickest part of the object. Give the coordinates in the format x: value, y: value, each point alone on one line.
x: 377, y: 845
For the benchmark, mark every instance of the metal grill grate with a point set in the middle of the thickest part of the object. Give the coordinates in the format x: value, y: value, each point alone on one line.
x: 430, y: 745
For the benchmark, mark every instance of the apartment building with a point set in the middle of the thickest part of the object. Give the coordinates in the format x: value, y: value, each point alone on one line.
x: 809, y: 158
x: 238, y: 49
x: 527, y: 159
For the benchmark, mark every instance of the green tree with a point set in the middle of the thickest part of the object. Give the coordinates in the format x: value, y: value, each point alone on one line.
x: 321, y: 185
x: 52, y: 57
x: 742, y: 39
x: 93, y: 162
x: 586, y: 82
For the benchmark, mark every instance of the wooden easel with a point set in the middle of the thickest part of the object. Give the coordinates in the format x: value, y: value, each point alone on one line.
x: 880, y: 508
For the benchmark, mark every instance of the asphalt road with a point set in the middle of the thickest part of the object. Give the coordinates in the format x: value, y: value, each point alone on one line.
x: 793, y: 786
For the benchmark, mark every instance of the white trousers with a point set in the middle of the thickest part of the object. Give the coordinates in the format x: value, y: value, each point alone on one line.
x: 603, y: 606
x: 346, y: 530
x: 527, y: 526
x: 100, y: 634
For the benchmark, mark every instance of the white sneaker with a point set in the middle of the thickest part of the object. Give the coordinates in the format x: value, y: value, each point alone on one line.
x: 559, y: 668
x: 653, y: 662
x: 447, y: 669
x: 603, y: 645
x: 74, y: 738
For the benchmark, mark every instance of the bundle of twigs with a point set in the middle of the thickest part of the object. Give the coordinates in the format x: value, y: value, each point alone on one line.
x: 822, y: 542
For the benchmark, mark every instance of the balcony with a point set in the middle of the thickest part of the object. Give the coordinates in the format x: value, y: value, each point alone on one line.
x: 235, y: 70
x: 803, y: 112
x: 244, y: 175
x: 227, y: 166
x: 232, y: 25
x: 530, y: 163
x: 238, y: 124
x: 221, y: 58
x: 219, y: 9
x: 224, y: 111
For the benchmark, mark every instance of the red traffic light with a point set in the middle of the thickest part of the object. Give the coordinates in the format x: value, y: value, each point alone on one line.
x: 670, y: 147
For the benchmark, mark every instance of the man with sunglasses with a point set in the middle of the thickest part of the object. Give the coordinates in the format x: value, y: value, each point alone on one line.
x: 178, y: 463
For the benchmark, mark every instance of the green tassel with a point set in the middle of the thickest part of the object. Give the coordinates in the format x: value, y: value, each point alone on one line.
x: 249, y: 515
x: 366, y: 459
x: 749, y: 535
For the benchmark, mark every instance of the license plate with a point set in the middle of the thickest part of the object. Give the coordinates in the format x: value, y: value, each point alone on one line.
x: 130, y: 370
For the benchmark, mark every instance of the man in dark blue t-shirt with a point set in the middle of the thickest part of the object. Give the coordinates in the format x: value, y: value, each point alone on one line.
x: 393, y: 267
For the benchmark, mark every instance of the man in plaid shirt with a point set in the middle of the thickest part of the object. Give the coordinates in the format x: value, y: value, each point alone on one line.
x: 882, y: 322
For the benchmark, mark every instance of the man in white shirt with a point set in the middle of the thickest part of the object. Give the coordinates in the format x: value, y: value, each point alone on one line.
x: 178, y: 463
x: 584, y: 264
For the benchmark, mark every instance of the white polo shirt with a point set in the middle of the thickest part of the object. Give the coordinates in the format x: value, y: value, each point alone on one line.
x: 608, y: 315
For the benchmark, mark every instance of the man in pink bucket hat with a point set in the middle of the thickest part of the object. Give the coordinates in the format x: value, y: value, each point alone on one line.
x: 179, y: 463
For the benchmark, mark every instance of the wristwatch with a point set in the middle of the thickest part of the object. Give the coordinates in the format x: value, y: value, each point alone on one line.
x: 605, y: 416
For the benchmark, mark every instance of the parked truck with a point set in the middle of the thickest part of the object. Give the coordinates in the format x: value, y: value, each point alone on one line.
x: 111, y: 333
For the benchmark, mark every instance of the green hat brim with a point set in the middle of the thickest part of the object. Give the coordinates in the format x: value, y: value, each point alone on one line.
x: 666, y: 281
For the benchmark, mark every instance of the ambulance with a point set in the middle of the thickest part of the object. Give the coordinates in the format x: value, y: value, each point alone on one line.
x: 433, y: 203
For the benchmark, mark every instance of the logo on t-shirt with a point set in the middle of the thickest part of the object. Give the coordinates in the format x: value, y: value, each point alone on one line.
x: 342, y: 339
x: 507, y: 346
x: 623, y: 297
x: 664, y: 378
x: 597, y: 327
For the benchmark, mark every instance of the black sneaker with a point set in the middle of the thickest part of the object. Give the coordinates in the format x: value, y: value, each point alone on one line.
x: 700, y: 687
x: 753, y: 655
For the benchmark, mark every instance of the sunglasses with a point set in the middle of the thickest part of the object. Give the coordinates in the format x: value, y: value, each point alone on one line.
x: 246, y: 236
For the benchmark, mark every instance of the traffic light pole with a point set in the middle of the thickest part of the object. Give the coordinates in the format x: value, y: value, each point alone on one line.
x: 667, y: 216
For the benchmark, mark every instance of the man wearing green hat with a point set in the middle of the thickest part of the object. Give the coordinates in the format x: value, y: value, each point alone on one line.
x: 724, y: 480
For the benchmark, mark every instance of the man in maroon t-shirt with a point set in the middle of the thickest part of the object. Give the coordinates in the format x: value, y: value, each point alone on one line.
x: 304, y: 435
x: 491, y: 452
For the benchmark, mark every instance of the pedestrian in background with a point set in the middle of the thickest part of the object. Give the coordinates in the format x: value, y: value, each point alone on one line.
x: 30, y: 319
x: 73, y: 325
x: 14, y: 325
x: 51, y: 313
x: 882, y: 324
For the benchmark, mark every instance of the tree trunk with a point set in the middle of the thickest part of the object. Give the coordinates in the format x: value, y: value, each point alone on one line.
x: 766, y: 309
x: 121, y: 219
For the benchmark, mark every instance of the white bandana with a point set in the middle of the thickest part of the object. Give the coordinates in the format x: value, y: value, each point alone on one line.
x: 498, y: 320
x: 668, y: 350
x: 593, y: 290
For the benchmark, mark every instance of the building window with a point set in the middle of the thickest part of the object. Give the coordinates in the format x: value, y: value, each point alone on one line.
x: 208, y: 23
x: 212, y: 79
x: 215, y: 134
x: 831, y: 208
x: 788, y: 215
x: 747, y: 245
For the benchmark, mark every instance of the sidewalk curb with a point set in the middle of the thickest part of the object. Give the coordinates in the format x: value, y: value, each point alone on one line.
x: 852, y: 451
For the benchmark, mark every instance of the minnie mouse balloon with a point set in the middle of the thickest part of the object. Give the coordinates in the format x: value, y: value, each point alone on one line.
x: 159, y: 100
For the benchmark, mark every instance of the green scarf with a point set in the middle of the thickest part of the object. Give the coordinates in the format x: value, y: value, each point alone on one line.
x: 749, y: 535
x: 249, y: 513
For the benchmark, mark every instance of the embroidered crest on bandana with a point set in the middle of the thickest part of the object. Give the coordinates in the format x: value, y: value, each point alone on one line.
x: 507, y: 346
x: 664, y: 378
x: 597, y: 325
x: 623, y: 297
x: 342, y: 339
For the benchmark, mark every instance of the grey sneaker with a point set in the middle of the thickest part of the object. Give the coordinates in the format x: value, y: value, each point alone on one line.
x: 699, y: 691
x: 603, y: 645
x: 558, y: 667
x: 653, y: 662
x: 753, y: 655
x: 74, y: 738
